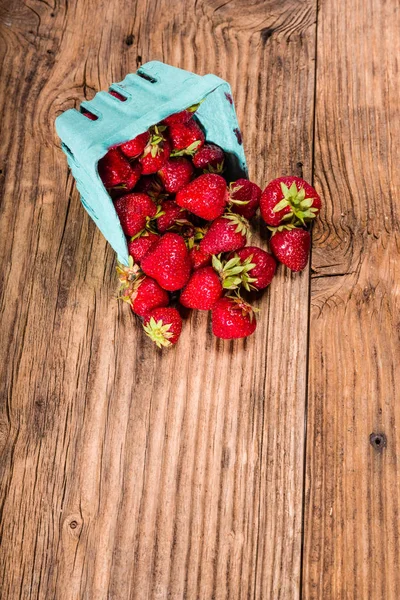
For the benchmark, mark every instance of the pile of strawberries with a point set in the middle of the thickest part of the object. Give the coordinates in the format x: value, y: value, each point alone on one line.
x: 187, y: 229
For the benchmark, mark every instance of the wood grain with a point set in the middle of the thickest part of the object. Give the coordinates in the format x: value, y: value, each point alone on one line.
x: 352, y: 510
x: 127, y: 473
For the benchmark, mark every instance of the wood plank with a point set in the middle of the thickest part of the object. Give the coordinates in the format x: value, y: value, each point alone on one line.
x: 351, y: 519
x: 127, y: 473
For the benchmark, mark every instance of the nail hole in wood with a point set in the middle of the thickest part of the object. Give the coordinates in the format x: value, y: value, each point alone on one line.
x: 129, y: 39
x: 378, y: 441
x: 52, y: 14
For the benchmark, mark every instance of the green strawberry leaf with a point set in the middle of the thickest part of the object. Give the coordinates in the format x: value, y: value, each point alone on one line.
x: 281, y: 205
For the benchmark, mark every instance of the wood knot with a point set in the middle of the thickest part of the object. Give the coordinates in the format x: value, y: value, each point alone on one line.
x: 378, y: 441
x: 73, y: 525
x: 129, y: 39
x: 266, y: 33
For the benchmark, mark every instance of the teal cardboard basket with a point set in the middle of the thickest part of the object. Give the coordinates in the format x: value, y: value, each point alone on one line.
x: 152, y: 93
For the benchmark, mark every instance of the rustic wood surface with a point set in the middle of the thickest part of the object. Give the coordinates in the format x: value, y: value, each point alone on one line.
x: 127, y: 473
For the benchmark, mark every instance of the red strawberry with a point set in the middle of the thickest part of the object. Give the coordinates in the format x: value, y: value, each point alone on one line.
x: 145, y: 295
x: 210, y: 158
x: 186, y: 135
x: 149, y: 184
x: 89, y: 115
x: 289, y: 200
x: 232, y: 318
x: 117, y: 95
x: 292, y: 247
x: 168, y: 262
x: 206, y: 196
x: 134, y: 210
x: 114, y: 169
x: 138, y: 247
x: 176, y: 173
x: 245, y: 197
x: 226, y: 234
x: 163, y: 326
x: 172, y: 213
x: 199, y: 258
x: 135, y: 147
x: 181, y: 117
x: 264, y: 267
x: 156, y: 152
x: 203, y: 289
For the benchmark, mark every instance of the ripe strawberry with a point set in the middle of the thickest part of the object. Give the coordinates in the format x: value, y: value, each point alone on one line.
x: 226, y: 234
x: 114, y: 169
x: 172, y: 214
x: 138, y: 247
x: 203, y: 289
x: 145, y: 295
x: 199, y: 258
x: 292, y: 247
x: 134, y: 211
x: 176, y: 173
x: 89, y: 115
x: 264, y: 267
x: 289, y: 200
x: 210, y: 158
x: 156, y: 152
x: 135, y: 147
x: 163, y: 326
x: 245, y: 198
x: 168, y: 262
x: 206, y: 196
x: 117, y: 95
x: 186, y: 135
x: 181, y: 117
x: 233, y: 318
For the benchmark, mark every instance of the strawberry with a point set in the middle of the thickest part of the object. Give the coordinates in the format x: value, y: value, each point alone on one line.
x: 156, y: 152
x: 135, y: 147
x: 185, y: 136
x: 181, y: 117
x: 199, y: 258
x: 292, y: 247
x: 172, y: 214
x: 145, y: 295
x: 264, y: 266
x: 245, y: 198
x: 206, y: 196
x: 176, y: 173
x: 232, y: 318
x: 289, y: 200
x: 163, y: 326
x: 114, y: 169
x: 141, y: 292
x: 89, y: 115
x: 227, y: 233
x: 138, y: 247
x: 134, y: 211
x: 117, y: 95
x: 210, y: 158
x: 168, y: 262
x: 150, y: 184
x: 203, y: 289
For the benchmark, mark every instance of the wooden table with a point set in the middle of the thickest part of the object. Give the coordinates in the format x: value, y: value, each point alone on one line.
x: 259, y: 469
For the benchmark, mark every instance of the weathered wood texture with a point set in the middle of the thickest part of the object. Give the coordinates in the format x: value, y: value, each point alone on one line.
x: 127, y: 473
x: 352, y: 513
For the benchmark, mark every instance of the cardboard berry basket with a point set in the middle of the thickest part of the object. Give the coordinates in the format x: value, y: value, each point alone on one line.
x: 153, y: 93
